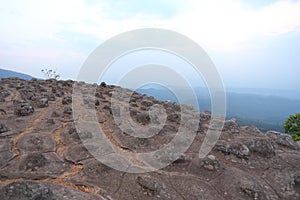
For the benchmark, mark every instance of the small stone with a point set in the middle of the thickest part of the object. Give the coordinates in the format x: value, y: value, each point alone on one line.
x: 67, y: 100
x: 103, y: 84
x: 210, y: 163
x: 297, y: 180
x: 3, y: 128
x: 55, y: 114
x: 43, y: 102
x: 211, y: 157
x: 68, y: 110
x: 147, y: 183
x: 50, y: 121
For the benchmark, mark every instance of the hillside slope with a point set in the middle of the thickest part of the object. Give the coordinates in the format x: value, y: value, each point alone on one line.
x: 42, y: 156
x: 4, y: 73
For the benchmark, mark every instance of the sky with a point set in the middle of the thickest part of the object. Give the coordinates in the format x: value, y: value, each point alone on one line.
x: 253, y: 44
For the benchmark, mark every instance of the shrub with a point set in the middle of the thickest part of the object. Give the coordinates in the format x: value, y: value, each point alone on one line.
x: 49, y: 73
x: 292, y: 126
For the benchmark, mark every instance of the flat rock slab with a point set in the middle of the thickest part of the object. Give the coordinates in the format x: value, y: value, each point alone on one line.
x: 37, y: 142
x: 6, y: 154
x: 35, y: 166
x: 42, y: 191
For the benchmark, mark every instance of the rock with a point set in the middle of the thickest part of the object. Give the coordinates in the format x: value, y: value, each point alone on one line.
x: 205, y: 116
x: 143, y: 118
x: 99, y: 95
x: 55, y: 114
x: 148, y: 183
x: 3, y: 128
x: 103, y: 84
x: 174, y: 117
x: 50, y: 96
x: 28, y: 190
x: 146, y: 103
x: 6, y: 153
x: 168, y: 129
x: 238, y: 149
x: 282, y: 139
x: 68, y: 110
x: 4, y: 94
x: 210, y: 163
x: 25, y: 191
x: 298, y: 143
x: 50, y: 121
x: 181, y: 159
x: 23, y: 108
x: 252, y: 130
x: 33, y: 162
x: 261, y: 146
x: 36, y: 142
x: 77, y: 153
x: 43, y: 102
x: 67, y: 100
x: 231, y: 126
x: 27, y: 93
x: 252, y: 190
x: 297, y: 179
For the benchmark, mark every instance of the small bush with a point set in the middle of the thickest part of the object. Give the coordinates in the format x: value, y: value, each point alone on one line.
x: 292, y: 126
x: 49, y: 73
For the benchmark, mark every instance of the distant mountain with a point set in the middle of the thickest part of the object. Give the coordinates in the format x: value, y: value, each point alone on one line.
x: 4, y: 73
x: 264, y: 111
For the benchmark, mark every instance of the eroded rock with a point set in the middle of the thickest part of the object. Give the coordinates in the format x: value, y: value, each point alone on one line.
x: 23, y: 108
x: 3, y: 128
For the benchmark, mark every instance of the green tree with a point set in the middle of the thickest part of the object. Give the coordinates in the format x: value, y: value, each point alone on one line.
x: 49, y: 73
x: 292, y: 126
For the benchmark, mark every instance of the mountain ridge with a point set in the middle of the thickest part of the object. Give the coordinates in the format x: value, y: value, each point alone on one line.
x: 5, y: 73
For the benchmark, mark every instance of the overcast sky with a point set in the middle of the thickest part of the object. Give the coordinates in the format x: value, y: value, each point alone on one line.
x: 253, y: 44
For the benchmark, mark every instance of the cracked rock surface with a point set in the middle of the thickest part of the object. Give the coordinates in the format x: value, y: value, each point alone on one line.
x: 42, y: 155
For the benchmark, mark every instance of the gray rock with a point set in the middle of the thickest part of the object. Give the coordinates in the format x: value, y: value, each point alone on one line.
x: 33, y: 162
x: 23, y: 108
x: 282, y: 139
x: 43, y: 102
x: 238, y: 149
x: 146, y: 103
x: 68, y: 110
x: 231, y: 126
x: 4, y: 94
x: 297, y: 180
x: 143, y: 118
x: 26, y: 191
x: 50, y: 96
x: 210, y: 163
x: 174, y: 117
x: 253, y: 190
x: 261, y: 146
x: 148, y: 183
x: 67, y: 100
x: 3, y: 128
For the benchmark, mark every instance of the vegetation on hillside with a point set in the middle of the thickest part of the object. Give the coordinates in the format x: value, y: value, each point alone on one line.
x: 292, y: 126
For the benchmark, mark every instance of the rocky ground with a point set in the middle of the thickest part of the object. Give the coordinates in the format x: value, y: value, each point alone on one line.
x: 42, y: 156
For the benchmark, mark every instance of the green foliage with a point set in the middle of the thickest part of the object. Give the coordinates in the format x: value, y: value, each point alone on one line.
x: 296, y: 137
x: 49, y: 73
x: 292, y: 126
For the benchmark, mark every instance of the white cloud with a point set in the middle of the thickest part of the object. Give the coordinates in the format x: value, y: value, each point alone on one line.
x: 217, y: 24
x: 227, y: 24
